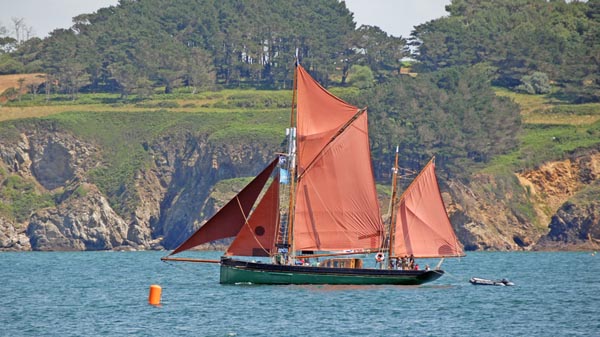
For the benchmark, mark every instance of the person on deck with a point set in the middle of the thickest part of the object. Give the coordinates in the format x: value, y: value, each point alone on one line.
x: 405, y: 263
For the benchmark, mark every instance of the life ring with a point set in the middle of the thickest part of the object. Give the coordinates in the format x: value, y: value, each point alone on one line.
x: 379, y: 257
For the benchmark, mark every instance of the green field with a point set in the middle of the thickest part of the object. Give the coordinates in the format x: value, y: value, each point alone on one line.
x: 551, y: 130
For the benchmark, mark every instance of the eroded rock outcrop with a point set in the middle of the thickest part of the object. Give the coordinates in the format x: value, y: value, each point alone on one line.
x: 554, y: 183
x: 566, y: 198
x: 484, y: 216
x: 12, y: 238
x: 493, y: 212
x: 194, y: 169
x: 84, y: 221
x: 576, y: 225
x: 170, y: 192
x: 44, y: 160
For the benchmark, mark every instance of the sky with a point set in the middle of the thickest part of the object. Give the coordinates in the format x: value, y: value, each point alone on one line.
x: 396, y: 17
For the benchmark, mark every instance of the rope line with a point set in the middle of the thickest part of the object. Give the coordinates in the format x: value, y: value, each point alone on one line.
x: 247, y: 223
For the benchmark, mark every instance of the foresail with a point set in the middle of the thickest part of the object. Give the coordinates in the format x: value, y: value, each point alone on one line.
x: 422, y: 225
x: 257, y: 236
x: 336, y: 202
x: 228, y: 221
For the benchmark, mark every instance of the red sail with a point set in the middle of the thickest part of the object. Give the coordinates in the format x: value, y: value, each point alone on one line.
x: 422, y: 225
x: 336, y: 201
x: 320, y: 116
x: 257, y: 236
x: 228, y: 221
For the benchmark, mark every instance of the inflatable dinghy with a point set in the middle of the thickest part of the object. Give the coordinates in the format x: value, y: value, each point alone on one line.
x: 486, y: 282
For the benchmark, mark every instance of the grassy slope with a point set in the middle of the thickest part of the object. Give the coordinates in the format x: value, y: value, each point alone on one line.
x: 551, y: 128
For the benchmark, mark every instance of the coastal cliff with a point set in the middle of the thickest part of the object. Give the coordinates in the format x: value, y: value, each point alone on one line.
x: 570, y: 189
x: 551, y: 207
x: 171, y: 191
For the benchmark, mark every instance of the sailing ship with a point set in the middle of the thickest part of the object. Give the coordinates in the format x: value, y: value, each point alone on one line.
x: 318, y: 206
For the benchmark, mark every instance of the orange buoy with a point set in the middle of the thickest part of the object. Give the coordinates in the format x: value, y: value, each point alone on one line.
x: 155, y: 292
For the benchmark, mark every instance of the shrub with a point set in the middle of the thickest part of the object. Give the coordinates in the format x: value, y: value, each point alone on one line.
x: 361, y: 77
x: 21, y: 198
x: 537, y: 83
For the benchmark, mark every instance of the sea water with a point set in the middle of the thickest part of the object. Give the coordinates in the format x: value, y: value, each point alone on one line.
x: 106, y: 294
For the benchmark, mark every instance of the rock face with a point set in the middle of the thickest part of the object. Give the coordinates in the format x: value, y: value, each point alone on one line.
x: 12, y: 238
x: 171, y: 191
x: 196, y: 169
x: 173, y: 196
x: 575, y: 226
x: 84, y: 221
x: 52, y: 168
x: 496, y: 213
x: 484, y: 217
x: 565, y: 194
x: 553, y: 184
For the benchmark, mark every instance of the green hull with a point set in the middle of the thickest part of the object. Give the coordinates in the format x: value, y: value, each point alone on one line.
x: 234, y: 271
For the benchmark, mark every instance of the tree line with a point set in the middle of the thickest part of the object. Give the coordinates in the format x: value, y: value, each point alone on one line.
x: 138, y: 45
x: 135, y: 46
x: 452, y: 114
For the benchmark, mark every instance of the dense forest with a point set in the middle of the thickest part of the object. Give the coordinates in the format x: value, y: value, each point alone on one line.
x: 136, y: 45
x: 140, y: 44
x: 524, y: 44
x: 449, y: 109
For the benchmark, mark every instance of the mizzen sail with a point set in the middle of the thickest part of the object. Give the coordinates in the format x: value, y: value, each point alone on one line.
x: 422, y: 225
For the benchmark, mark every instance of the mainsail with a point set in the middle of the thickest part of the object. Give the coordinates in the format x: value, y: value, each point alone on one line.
x: 336, y: 202
x: 422, y: 225
x: 230, y: 219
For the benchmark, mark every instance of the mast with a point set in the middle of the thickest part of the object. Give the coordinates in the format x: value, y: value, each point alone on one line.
x: 392, y: 228
x: 287, y: 238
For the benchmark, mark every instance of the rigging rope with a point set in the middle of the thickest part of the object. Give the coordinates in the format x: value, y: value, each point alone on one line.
x: 456, y: 278
x: 250, y: 228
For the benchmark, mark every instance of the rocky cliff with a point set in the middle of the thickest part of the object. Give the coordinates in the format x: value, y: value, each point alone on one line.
x: 84, y: 221
x: 485, y: 217
x: 552, y: 207
x: 171, y: 190
x: 569, y: 192
x: 575, y: 226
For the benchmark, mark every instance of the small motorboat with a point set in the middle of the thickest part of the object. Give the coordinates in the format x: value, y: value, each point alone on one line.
x: 482, y: 281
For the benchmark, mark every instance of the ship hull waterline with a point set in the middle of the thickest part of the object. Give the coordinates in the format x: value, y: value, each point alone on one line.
x: 241, y: 272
